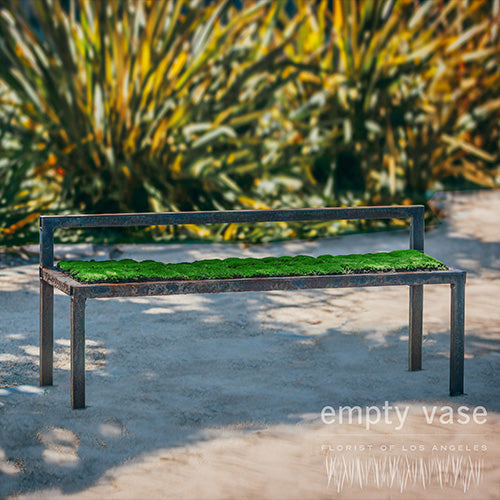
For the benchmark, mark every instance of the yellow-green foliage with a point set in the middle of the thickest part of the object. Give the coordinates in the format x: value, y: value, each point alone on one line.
x: 147, y: 105
x: 408, y: 93
x: 138, y: 106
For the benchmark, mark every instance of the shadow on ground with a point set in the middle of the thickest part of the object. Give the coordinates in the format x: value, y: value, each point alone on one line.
x: 164, y: 372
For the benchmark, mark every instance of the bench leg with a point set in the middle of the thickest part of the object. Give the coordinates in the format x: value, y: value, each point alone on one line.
x: 46, y: 333
x: 77, y: 352
x: 415, y: 337
x: 457, y: 328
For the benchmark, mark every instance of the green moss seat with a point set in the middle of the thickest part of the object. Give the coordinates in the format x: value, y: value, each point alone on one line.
x: 128, y: 270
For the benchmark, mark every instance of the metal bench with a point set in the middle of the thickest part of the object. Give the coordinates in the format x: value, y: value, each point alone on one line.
x: 51, y: 277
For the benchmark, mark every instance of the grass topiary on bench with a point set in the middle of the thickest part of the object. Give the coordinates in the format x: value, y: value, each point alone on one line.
x: 128, y: 270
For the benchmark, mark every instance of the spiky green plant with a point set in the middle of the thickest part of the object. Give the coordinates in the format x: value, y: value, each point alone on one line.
x: 407, y: 96
x: 140, y: 105
x: 169, y: 105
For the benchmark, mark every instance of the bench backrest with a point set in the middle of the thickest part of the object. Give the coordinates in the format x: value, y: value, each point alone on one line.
x: 50, y: 222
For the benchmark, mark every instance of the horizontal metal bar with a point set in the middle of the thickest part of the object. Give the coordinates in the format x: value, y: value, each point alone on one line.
x: 234, y: 216
x: 101, y: 290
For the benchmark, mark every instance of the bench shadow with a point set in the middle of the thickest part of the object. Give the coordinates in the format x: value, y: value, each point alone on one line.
x: 165, y: 371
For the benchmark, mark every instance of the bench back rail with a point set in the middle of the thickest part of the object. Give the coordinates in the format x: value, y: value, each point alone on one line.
x: 50, y: 222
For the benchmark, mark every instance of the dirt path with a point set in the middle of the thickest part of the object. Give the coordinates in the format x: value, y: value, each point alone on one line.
x: 221, y: 396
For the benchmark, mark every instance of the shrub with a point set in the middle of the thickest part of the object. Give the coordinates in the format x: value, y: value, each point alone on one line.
x: 136, y: 106
x: 406, y: 99
x: 114, y: 106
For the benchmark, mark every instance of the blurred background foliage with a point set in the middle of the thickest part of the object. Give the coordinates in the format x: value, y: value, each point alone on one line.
x: 167, y: 105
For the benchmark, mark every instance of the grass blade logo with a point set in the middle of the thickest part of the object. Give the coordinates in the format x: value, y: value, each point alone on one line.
x: 402, y: 472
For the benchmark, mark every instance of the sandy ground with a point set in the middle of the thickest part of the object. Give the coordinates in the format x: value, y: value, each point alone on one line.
x: 220, y: 396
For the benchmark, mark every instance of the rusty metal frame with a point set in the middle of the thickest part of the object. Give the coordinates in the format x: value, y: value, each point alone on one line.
x: 50, y: 277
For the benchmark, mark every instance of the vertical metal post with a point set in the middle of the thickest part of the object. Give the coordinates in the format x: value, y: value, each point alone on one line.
x: 46, y: 333
x: 416, y: 327
x: 457, y: 332
x: 77, y: 351
x: 46, y: 306
x: 417, y: 227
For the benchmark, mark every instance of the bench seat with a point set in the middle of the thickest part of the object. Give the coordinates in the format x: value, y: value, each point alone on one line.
x: 128, y: 270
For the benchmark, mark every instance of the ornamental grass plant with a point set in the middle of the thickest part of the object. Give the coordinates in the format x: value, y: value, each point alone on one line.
x: 167, y: 105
